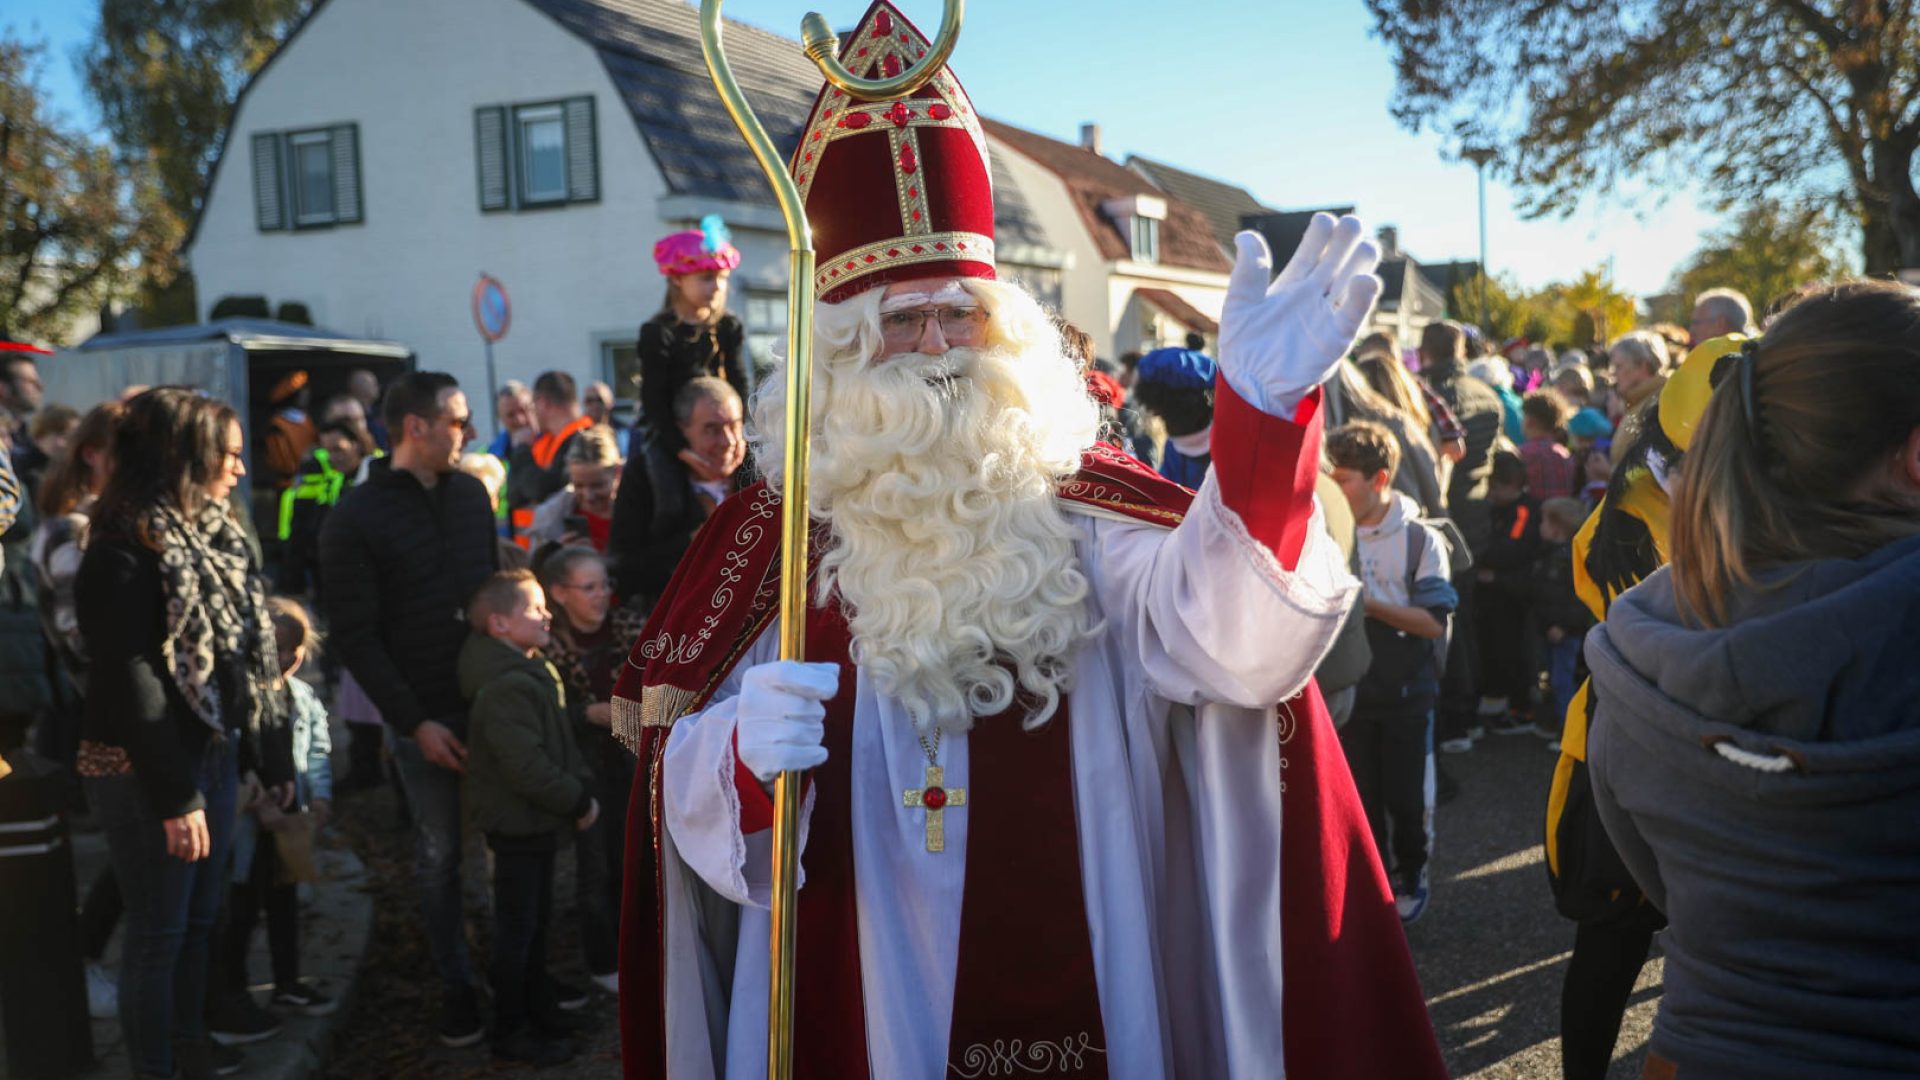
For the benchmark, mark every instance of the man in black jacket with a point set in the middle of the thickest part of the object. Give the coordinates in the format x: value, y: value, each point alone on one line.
x: 664, y: 499
x: 401, y: 555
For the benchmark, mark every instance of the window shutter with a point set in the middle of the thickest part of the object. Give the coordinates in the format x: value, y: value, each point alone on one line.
x: 490, y: 157
x: 583, y: 152
x: 346, y: 174
x: 269, y: 202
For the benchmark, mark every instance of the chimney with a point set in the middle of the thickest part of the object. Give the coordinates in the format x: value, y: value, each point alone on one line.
x: 1389, y: 242
x: 1090, y: 137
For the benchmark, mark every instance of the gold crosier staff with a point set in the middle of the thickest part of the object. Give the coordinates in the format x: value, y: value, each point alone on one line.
x: 822, y: 47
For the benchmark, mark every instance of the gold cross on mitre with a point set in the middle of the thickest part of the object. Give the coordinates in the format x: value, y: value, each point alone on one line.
x: 935, y: 798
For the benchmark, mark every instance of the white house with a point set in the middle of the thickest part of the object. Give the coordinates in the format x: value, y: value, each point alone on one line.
x: 1145, y: 268
x: 389, y: 153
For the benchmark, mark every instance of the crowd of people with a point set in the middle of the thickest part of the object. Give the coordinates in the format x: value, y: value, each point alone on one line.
x: 465, y: 614
x: 462, y: 615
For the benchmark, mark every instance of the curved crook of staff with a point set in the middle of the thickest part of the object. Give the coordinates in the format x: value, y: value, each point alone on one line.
x: 821, y: 46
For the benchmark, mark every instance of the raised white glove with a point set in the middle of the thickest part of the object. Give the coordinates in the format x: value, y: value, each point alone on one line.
x: 780, y: 720
x: 1278, y: 341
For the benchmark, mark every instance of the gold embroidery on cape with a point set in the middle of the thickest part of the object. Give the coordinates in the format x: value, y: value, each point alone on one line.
x: 1012, y: 1057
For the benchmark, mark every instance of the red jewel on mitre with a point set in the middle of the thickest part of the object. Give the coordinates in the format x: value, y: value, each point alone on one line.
x: 896, y: 189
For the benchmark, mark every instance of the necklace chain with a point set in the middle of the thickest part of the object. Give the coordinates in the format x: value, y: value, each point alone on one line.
x: 932, y: 749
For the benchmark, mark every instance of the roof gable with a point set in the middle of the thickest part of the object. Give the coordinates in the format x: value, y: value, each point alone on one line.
x: 1186, y: 240
x: 1225, y: 206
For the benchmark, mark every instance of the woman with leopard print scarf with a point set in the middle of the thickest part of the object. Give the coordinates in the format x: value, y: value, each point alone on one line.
x: 173, y: 613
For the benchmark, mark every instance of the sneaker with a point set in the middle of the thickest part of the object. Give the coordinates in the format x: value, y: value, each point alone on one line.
x: 237, y: 1019
x: 203, y: 1059
x: 460, y: 1023
x: 304, y: 998
x: 558, y: 1025
x: 103, y: 993
x: 1411, y: 900
x: 1510, y: 724
x: 569, y: 997
x: 610, y: 982
x: 530, y: 1049
x: 225, y: 1060
x: 1457, y: 745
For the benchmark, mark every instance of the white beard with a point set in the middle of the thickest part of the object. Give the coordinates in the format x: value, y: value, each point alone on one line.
x: 938, y: 477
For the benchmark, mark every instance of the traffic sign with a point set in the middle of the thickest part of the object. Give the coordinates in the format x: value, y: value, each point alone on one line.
x: 491, y: 311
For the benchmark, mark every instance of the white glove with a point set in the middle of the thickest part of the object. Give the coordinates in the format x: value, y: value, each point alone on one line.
x: 780, y: 720
x: 1279, y: 341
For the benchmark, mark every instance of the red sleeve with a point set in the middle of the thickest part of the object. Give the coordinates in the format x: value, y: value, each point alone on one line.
x: 756, y: 806
x: 1266, y: 467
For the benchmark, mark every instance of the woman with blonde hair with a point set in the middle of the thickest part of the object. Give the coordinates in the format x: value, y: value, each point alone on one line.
x: 1756, y: 757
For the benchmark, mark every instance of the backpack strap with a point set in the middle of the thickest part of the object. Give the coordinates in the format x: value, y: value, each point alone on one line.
x: 1416, y: 552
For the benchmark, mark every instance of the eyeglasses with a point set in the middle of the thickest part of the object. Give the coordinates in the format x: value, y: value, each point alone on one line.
x: 589, y: 587
x: 959, y: 325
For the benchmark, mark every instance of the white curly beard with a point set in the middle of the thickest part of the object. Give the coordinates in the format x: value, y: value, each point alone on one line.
x: 938, y: 477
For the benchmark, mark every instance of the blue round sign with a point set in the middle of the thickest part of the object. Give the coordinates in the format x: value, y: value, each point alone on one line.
x: 492, y: 313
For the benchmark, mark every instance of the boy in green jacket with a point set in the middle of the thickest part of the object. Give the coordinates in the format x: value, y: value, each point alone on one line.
x: 526, y: 784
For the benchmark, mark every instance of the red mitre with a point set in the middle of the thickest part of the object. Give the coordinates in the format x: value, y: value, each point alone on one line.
x: 896, y: 189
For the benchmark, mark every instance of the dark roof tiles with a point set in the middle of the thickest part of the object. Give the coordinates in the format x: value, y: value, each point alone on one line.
x: 651, y: 50
x: 1225, y: 206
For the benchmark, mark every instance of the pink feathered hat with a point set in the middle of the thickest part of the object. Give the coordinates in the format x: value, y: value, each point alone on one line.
x: 697, y: 251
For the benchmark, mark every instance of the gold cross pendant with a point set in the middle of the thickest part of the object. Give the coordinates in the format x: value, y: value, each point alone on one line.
x: 935, y: 799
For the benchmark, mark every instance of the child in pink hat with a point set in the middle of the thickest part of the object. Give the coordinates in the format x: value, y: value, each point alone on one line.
x: 693, y: 334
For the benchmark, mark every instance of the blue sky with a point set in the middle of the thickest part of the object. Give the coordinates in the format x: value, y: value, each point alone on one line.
x: 1287, y: 98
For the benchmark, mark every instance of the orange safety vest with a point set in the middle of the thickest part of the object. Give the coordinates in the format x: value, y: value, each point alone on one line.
x: 545, y: 449
x: 547, y: 446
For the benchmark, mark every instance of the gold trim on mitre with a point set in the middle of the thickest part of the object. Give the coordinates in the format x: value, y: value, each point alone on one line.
x: 906, y: 251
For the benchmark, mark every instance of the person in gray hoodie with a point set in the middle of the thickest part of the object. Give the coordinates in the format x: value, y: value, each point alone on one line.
x: 1757, y: 756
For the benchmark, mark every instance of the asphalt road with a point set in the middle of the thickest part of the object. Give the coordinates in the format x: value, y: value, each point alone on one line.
x: 1491, y: 949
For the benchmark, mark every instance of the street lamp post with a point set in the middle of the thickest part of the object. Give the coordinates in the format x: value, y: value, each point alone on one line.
x: 1480, y: 155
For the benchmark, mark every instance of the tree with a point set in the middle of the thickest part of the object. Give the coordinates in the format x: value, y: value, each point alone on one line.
x: 1768, y: 250
x: 165, y: 76
x: 74, y: 230
x: 1510, y: 311
x: 1604, y: 312
x: 1752, y: 97
x: 1588, y: 309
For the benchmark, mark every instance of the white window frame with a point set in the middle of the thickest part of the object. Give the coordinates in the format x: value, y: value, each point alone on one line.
x: 1145, y: 239
x: 524, y: 118
x: 304, y: 218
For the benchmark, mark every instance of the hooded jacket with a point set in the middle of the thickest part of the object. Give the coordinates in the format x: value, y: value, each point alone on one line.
x: 1761, y: 780
x: 525, y: 778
